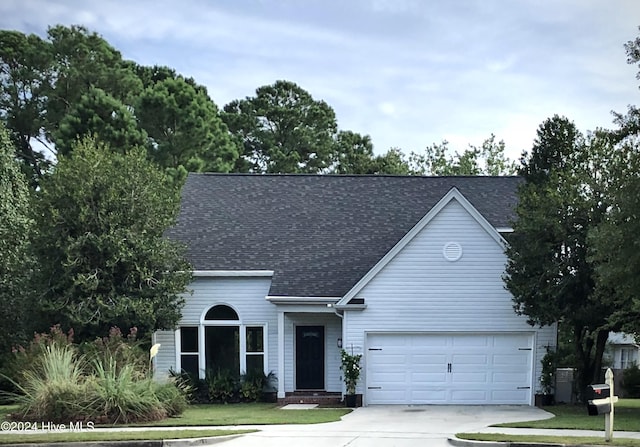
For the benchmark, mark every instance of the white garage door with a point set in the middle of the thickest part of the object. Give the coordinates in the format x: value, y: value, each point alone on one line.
x: 473, y: 368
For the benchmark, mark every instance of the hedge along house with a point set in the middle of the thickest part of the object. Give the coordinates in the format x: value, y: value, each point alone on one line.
x: 288, y: 269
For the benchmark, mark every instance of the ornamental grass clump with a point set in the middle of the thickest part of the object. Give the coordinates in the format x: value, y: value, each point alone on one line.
x: 351, y: 368
x: 112, y: 383
x: 55, y: 387
x: 121, y: 397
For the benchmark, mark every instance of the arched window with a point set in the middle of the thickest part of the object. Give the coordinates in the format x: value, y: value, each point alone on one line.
x: 222, y: 340
x: 222, y: 344
x: 221, y: 312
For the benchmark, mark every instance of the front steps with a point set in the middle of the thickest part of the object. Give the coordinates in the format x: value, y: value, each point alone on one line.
x: 323, y: 398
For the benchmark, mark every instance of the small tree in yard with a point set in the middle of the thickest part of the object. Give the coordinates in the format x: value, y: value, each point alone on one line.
x: 103, y: 259
x: 548, y: 270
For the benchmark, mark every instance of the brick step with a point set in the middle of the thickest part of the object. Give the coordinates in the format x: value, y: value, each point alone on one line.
x: 310, y: 397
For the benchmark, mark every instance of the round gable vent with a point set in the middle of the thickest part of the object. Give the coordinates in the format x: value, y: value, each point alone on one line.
x: 452, y: 251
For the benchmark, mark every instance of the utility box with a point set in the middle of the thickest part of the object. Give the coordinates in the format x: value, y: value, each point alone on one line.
x: 564, y: 385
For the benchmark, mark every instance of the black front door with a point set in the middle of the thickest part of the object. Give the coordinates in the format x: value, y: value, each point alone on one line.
x: 310, y: 357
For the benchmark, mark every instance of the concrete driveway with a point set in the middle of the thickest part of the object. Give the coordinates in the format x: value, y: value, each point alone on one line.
x: 395, y: 425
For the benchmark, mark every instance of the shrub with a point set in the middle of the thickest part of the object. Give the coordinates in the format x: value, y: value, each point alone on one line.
x: 113, y: 386
x: 123, y: 351
x: 222, y: 386
x: 350, y: 366
x: 548, y: 374
x: 631, y: 381
x: 194, y: 389
x: 172, y: 398
x: 254, y: 384
x: 26, y: 356
x: 54, y: 388
x: 122, y: 396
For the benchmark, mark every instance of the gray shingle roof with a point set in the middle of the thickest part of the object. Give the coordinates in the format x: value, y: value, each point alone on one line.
x: 320, y: 234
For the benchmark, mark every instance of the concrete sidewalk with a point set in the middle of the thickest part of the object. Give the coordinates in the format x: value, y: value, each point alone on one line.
x: 377, y: 426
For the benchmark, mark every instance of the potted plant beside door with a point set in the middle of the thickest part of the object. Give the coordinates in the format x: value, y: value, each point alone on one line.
x: 546, y: 396
x: 350, y: 367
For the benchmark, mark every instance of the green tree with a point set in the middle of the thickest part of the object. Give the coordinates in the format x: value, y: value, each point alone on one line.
x: 488, y: 159
x: 392, y: 162
x: 74, y: 83
x: 25, y: 75
x: 99, y: 113
x: 548, y: 272
x: 16, y: 261
x: 282, y: 129
x: 614, y: 241
x: 353, y: 154
x: 629, y: 123
x: 82, y: 61
x: 186, y: 133
x: 41, y: 81
x: 103, y: 258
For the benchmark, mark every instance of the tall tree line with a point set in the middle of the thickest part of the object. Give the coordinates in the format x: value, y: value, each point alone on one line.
x: 73, y: 83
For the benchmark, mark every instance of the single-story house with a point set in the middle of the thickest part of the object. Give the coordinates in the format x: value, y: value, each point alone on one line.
x: 623, y: 350
x: 407, y: 271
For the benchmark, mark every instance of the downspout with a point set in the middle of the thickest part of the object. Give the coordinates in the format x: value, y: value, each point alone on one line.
x: 341, y: 316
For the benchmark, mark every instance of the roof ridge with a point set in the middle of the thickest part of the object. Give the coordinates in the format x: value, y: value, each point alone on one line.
x: 308, y: 227
x: 258, y: 174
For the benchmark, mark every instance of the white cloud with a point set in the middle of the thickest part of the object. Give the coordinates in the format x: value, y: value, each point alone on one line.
x: 387, y: 108
x: 407, y: 72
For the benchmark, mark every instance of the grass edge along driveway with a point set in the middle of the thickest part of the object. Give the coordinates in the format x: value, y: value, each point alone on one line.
x: 194, y: 415
x: 627, y: 418
x: 555, y: 440
x: 89, y: 436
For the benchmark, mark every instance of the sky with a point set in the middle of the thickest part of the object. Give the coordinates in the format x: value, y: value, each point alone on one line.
x: 409, y: 73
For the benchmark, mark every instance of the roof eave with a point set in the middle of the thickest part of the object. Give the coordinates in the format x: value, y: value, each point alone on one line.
x: 232, y: 273
x: 328, y: 301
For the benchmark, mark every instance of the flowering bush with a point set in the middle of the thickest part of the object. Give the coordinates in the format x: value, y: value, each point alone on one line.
x: 351, y: 368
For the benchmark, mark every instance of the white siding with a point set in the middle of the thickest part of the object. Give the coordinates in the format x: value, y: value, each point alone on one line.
x: 246, y: 295
x: 165, y: 361
x: 332, y: 331
x: 420, y: 291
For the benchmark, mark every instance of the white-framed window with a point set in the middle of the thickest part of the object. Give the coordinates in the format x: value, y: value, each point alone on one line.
x: 254, y: 349
x: 189, y: 350
x: 628, y: 357
x: 221, y: 342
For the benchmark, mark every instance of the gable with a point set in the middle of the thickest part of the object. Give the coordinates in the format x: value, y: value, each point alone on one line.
x: 418, y: 289
x: 318, y: 234
x: 452, y: 235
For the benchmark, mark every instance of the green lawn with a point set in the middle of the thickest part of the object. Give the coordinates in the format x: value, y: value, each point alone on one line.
x: 251, y: 414
x: 627, y: 418
x: 87, y: 436
x: 237, y: 414
x: 194, y: 415
x: 567, y: 440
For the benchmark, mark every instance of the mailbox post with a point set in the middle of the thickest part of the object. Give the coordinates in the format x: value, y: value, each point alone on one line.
x: 608, y: 418
x: 602, y: 400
